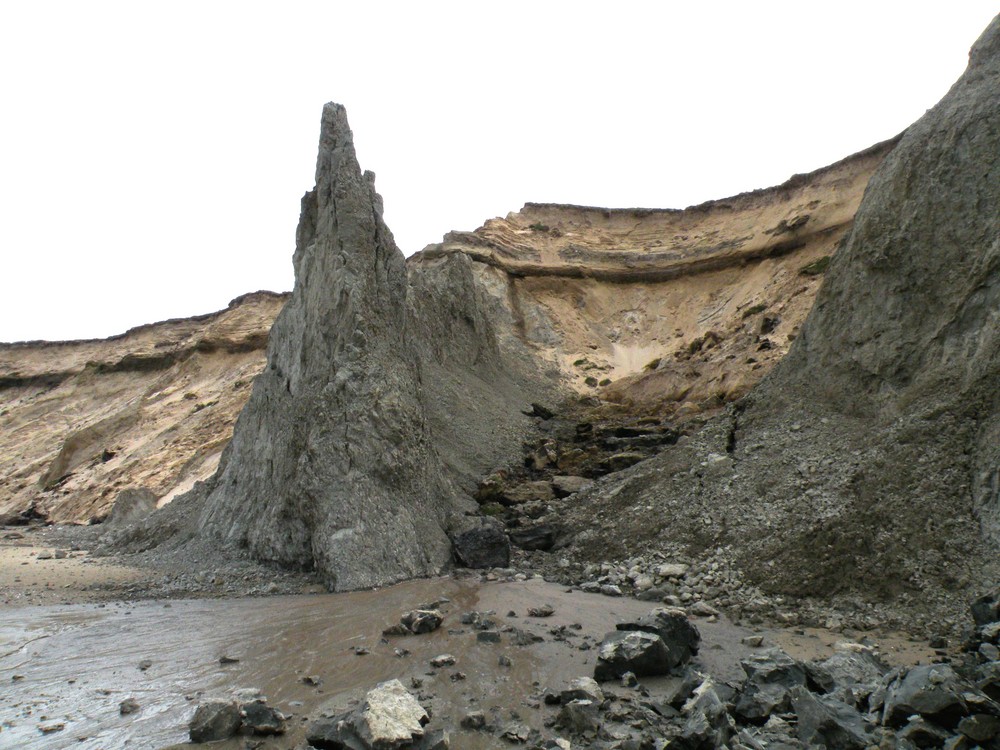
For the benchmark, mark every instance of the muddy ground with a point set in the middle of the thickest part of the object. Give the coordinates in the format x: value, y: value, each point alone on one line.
x: 80, y: 634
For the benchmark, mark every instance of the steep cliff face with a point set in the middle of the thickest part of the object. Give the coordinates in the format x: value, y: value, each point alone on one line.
x: 866, y: 463
x: 665, y: 312
x: 151, y: 409
x: 338, y: 460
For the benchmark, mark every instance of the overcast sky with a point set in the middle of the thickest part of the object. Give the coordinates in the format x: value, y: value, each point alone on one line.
x: 152, y: 155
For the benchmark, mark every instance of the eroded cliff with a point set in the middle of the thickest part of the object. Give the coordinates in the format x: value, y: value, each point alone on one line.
x: 865, y: 464
x: 150, y: 409
x: 664, y: 311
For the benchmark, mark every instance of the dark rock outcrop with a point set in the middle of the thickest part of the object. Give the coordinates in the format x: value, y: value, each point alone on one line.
x: 867, y: 460
x: 384, y: 399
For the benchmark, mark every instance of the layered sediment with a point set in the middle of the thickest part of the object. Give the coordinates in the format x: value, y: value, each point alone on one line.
x: 665, y: 312
x: 148, y: 410
x: 864, y: 466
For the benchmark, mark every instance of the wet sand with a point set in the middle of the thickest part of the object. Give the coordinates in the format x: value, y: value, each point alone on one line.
x: 73, y: 665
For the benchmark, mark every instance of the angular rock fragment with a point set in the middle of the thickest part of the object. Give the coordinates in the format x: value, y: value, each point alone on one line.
x: 483, y: 546
x: 708, y: 725
x: 582, y: 688
x: 935, y: 692
x: 389, y: 718
x: 633, y: 651
x: 420, y: 621
x: 540, y: 537
x: 564, y: 486
x: 215, y: 720
x: 680, y: 636
x: 771, y: 675
x: 827, y: 721
x: 261, y: 719
x: 579, y: 716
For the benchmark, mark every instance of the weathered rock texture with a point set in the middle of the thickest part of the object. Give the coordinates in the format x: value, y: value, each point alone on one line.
x: 379, y: 400
x: 867, y: 461
x: 674, y: 312
x: 150, y: 410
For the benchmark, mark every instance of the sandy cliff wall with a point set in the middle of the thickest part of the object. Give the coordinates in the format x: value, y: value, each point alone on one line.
x: 666, y: 311
x: 152, y: 408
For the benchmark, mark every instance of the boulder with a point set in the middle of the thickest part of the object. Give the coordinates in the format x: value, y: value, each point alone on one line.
x: 261, y: 719
x: 708, y: 725
x: 633, y: 651
x: 483, y: 546
x: 919, y: 732
x: 672, y: 570
x: 680, y: 636
x: 848, y: 675
x: 579, y: 716
x: 934, y: 691
x: 132, y: 504
x: 986, y: 609
x: 564, y: 486
x: 215, y: 720
x: 420, y: 621
x: 388, y: 718
x: 828, y: 722
x: 527, y: 492
x: 541, y: 537
x: 771, y: 675
x: 980, y: 728
x: 582, y: 688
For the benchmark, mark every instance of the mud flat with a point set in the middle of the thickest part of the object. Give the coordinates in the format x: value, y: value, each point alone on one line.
x: 72, y: 666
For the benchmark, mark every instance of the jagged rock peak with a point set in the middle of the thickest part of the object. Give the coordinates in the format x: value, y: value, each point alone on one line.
x: 330, y: 466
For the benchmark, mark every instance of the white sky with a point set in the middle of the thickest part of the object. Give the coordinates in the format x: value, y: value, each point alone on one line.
x: 152, y: 155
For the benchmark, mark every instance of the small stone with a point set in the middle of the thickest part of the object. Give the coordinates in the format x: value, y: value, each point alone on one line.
x: 228, y: 660
x: 261, y: 719
x: 488, y: 636
x: 444, y: 660
x: 128, y: 706
x: 703, y: 609
x: 420, y: 621
x: 672, y: 570
x: 312, y: 679
x: 546, y: 610
x: 145, y: 664
x: 582, y: 688
x: 474, y: 720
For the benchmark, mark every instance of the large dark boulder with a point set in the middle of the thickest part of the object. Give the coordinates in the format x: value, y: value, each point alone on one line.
x: 482, y: 546
x: 215, y: 720
x: 935, y: 692
x: 825, y: 721
x: 679, y: 634
x: 634, y: 651
x: 771, y: 676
